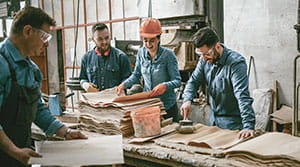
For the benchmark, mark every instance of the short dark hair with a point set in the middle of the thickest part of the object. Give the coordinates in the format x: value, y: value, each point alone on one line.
x: 32, y: 16
x: 99, y: 26
x: 205, y: 36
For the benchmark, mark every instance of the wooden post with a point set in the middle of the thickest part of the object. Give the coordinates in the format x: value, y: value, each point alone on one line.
x: 274, y: 124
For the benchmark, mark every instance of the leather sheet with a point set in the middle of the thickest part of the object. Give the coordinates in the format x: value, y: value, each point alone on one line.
x: 284, y: 115
x: 100, y: 113
x: 205, y: 136
x: 275, y: 149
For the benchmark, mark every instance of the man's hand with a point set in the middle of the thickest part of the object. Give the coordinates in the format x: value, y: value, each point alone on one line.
x: 89, y: 87
x: 70, y: 134
x: 158, y: 90
x: 120, y: 89
x: 186, y: 109
x: 246, y: 133
x: 75, y: 134
x: 23, y: 155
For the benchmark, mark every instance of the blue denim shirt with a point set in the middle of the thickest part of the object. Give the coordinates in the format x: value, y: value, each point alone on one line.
x: 164, y: 69
x: 227, y: 85
x: 105, y: 71
x: 28, y: 75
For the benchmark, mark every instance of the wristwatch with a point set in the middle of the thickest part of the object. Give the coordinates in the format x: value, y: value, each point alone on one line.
x: 68, y: 131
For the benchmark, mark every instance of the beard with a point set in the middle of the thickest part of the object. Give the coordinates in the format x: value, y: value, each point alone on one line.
x: 103, y: 49
x: 216, y: 58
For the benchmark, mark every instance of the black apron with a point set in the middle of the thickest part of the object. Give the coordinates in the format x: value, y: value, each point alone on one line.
x: 16, y: 116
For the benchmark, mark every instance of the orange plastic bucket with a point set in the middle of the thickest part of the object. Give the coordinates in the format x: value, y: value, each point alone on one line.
x: 146, y: 121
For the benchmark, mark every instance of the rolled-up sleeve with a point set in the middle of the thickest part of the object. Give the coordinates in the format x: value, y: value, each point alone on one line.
x: 194, y: 82
x: 240, y: 81
x: 45, y: 120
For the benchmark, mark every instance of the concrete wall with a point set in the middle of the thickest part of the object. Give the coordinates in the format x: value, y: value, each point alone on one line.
x: 264, y: 29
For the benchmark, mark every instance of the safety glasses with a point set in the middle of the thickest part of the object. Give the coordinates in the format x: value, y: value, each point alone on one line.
x: 45, y: 37
x: 208, y: 53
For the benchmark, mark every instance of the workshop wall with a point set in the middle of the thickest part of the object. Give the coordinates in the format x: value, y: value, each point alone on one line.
x: 264, y: 30
x: 122, y: 17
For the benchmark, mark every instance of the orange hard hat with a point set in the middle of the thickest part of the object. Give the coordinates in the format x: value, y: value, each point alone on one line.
x: 150, y: 28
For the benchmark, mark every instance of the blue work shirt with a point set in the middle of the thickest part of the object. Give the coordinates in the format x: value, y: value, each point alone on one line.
x: 164, y: 69
x: 227, y: 84
x: 105, y: 71
x: 28, y: 75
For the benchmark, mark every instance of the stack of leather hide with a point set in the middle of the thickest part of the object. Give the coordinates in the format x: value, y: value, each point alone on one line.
x: 105, y: 112
x: 270, y: 149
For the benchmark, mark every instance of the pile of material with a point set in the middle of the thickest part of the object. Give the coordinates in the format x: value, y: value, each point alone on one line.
x: 270, y: 149
x: 101, y: 113
x: 204, y: 136
x: 284, y: 117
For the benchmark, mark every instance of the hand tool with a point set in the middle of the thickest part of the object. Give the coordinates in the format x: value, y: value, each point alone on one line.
x: 185, y: 126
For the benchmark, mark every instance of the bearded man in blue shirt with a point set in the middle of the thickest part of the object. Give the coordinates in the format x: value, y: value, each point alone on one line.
x: 20, y: 83
x: 104, y: 66
x: 224, y: 72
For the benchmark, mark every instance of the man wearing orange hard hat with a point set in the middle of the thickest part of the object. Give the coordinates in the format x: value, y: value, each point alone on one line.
x: 158, y: 66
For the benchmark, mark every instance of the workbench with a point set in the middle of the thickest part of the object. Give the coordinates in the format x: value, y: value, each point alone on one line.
x: 150, y: 154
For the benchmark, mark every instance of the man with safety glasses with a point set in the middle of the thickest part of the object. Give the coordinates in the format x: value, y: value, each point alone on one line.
x: 20, y: 83
x: 224, y: 71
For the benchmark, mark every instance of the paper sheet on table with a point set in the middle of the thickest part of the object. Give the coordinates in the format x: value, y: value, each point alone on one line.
x: 104, y: 150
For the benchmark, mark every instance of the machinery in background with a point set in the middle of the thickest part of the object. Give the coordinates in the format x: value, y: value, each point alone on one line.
x: 130, y: 48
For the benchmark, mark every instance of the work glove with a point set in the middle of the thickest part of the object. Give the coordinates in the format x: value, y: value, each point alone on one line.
x: 89, y: 87
x: 158, y: 90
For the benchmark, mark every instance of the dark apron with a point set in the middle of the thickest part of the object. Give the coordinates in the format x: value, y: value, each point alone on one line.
x: 16, y: 116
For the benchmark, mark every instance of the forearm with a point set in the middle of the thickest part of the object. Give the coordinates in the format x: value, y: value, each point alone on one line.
x: 240, y: 84
x: 193, y: 84
x: 175, y: 78
x: 62, y: 131
x: 190, y: 90
x: 46, y: 121
x: 6, y: 145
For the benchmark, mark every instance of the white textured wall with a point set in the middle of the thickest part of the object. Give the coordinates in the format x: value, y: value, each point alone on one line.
x: 264, y: 29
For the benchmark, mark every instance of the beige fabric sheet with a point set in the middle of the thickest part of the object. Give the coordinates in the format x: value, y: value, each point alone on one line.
x: 205, y: 136
x: 103, y: 150
x: 284, y: 115
x: 268, y: 148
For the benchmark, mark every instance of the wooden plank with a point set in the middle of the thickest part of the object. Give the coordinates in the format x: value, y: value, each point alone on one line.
x: 103, y: 150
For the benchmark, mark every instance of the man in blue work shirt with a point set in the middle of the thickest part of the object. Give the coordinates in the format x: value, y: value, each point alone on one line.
x: 20, y: 83
x: 224, y: 71
x: 104, y: 66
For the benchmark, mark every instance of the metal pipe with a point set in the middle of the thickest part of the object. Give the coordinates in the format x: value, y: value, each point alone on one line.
x: 92, y: 23
x: 295, y: 107
x: 295, y: 115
